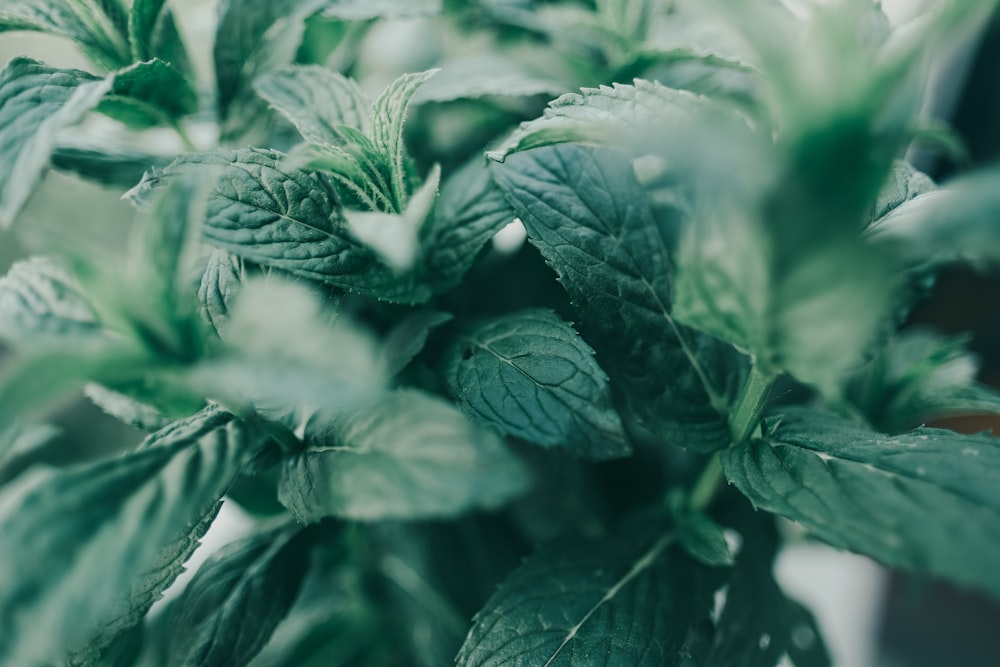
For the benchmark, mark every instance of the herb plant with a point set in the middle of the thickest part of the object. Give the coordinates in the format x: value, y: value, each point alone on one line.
x: 574, y: 451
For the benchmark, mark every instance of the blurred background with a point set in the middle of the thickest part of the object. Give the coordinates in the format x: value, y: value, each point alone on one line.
x: 872, y: 617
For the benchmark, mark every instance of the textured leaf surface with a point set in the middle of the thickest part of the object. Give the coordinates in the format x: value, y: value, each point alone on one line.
x: 238, y: 597
x: 409, y: 456
x: 220, y: 284
x: 629, y: 600
x: 106, y: 524
x: 97, y: 26
x: 317, y: 100
x: 588, y: 216
x: 603, y: 116
x: 288, y: 219
x: 529, y: 374
x: 36, y: 101
x: 39, y: 299
x: 924, y: 500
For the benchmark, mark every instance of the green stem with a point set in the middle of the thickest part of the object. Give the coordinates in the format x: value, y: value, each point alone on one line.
x: 743, y: 419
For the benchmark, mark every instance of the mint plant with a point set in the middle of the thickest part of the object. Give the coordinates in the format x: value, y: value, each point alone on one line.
x: 585, y: 450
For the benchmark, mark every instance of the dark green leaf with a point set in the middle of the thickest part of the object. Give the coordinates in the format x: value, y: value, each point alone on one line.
x: 36, y: 101
x: 148, y: 94
x: 917, y: 377
x: 238, y: 597
x: 318, y: 101
x: 409, y: 456
x: 587, y: 214
x: 925, y: 501
x: 627, y: 600
x: 409, y: 336
x: 530, y: 375
x: 114, y: 166
x: 704, y: 540
x: 287, y: 219
x: 106, y: 525
x: 40, y: 300
x: 153, y: 34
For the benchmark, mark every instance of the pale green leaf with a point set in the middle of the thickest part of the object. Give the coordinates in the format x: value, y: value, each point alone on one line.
x: 488, y: 75
x: 587, y: 214
x: 609, y: 116
x: 96, y: 26
x: 236, y: 599
x: 148, y: 94
x: 106, y: 525
x: 904, y: 183
x: 36, y: 102
x: 223, y: 278
x: 40, y: 300
x: 318, y: 101
x: 394, y: 237
x: 387, y: 119
x: 919, y: 376
x: 19, y: 440
x: 627, y: 600
x: 358, y: 10
x: 923, y: 501
x: 125, y: 409
x: 359, y: 173
x: 410, y: 456
x: 530, y: 374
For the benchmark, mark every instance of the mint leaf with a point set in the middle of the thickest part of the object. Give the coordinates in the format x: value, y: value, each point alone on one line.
x: 148, y: 94
x: 587, y: 214
x: 358, y: 10
x: 113, y: 165
x: 153, y: 34
x: 144, y: 591
x: 604, y: 116
x: 318, y: 101
x: 40, y: 300
x: 470, y: 210
x: 388, y: 116
x: 286, y: 219
x: 410, y: 456
x: 530, y: 375
x: 758, y: 624
x: 904, y: 183
x: 631, y: 599
x: 236, y: 599
x: 489, y: 75
x: 36, y: 101
x: 126, y: 409
x: 921, y: 501
x: 916, y: 377
x: 73, y: 569
x: 406, y: 340
x: 703, y: 539
x: 96, y: 26
x: 221, y: 282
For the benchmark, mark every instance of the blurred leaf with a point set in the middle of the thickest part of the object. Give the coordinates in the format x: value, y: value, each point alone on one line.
x: 531, y: 375
x: 153, y: 34
x: 36, y: 101
x: 40, y: 300
x: 410, y: 456
x: 405, y: 341
x: 112, y: 165
x: 703, y: 539
x: 148, y: 94
x: 96, y: 26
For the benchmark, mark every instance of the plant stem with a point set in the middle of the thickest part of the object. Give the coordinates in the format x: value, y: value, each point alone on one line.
x: 743, y: 419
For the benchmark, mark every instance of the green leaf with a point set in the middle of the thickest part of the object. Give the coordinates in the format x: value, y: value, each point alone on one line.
x: 153, y: 34
x: 587, y: 214
x: 470, y: 210
x: 410, y: 456
x: 388, y: 116
x: 758, y: 624
x: 148, y: 94
x: 628, y: 600
x: 953, y: 223
x: 703, y: 539
x: 530, y: 375
x: 40, y: 300
x: 96, y: 26
x: 220, y: 284
x: 126, y: 409
x: 489, y: 75
x: 318, y: 101
x: 238, y: 597
x: 919, y: 376
x: 904, y: 183
x: 359, y: 10
x: 143, y: 592
x: 605, y: 116
x: 18, y: 440
x: 286, y: 219
x: 924, y: 500
x: 112, y: 165
x: 36, y: 101
x: 106, y: 525
x: 406, y: 340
